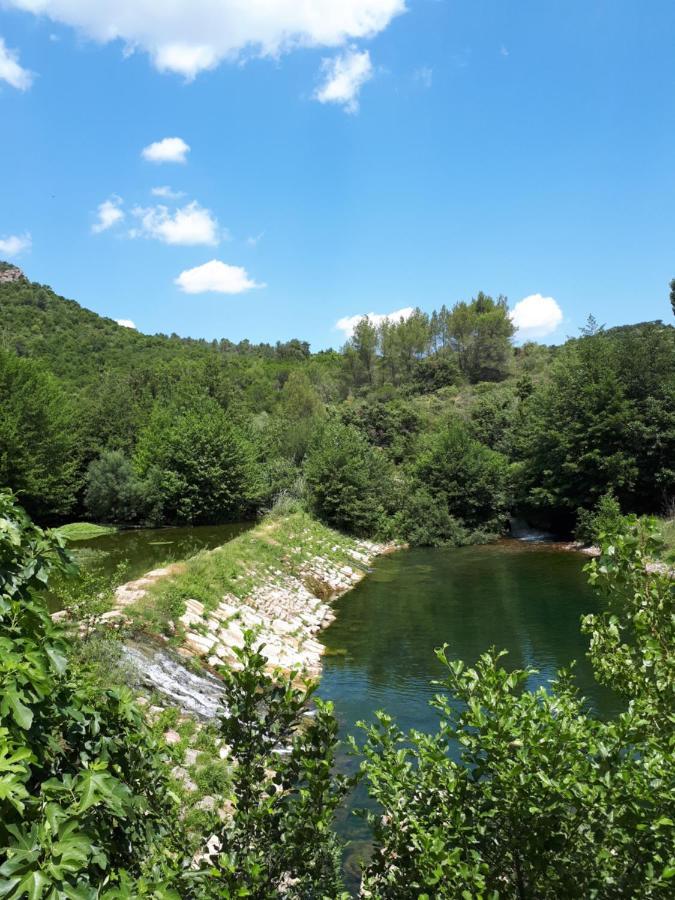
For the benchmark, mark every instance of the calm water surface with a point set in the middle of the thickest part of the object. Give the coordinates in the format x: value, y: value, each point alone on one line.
x: 146, y: 548
x: 522, y: 597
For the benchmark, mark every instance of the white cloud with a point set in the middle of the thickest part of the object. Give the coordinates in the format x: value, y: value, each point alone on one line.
x: 216, y: 276
x: 126, y: 323
x: 536, y: 316
x: 349, y: 323
x: 189, y: 225
x: 254, y: 239
x: 189, y: 36
x: 167, y: 193
x: 168, y: 150
x: 344, y: 76
x: 15, y: 244
x: 109, y: 213
x: 424, y: 75
x: 10, y: 70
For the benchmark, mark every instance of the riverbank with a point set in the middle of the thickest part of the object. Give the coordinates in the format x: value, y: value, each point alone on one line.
x: 278, y: 580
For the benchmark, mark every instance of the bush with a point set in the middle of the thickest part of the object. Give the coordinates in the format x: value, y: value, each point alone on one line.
x: 472, y: 481
x: 350, y: 484
x: 602, y: 519
x: 115, y: 493
x: 201, y: 464
x: 425, y: 521
x: 83, y: 794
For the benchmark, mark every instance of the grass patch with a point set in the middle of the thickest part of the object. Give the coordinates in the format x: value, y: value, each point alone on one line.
x: 275, y: 548
x: 667, y: 529
x: 84, y: 531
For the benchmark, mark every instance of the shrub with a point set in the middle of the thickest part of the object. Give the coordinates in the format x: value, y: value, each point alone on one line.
x: 350, y: 484
x: 602, y: 519
x: 470, y: 479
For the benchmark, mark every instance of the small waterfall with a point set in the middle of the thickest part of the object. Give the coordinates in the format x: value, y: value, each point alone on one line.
x: 157, y: 669
x: 521, y: 531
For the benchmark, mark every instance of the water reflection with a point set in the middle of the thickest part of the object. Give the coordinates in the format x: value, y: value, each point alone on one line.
x: 525, y: 598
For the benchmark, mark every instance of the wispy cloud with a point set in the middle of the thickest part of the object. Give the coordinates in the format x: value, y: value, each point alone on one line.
x: 14, y: 244
x: 167, y: 193
x: 343, y: 77
x: 11, y: 71
x: 109, y: 213
x: 424, y: 76
x: 254, y: 240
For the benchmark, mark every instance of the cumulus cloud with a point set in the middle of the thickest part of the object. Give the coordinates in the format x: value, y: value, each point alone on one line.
x: 109, y: 213
x: 189, y: 36
x: 189, y: 225
x: 168, y: 150
x: 536, y: 316
x: 126, y: 323
x: 344, y: 75
x: 11, y: 71
x: 15, y: 244
x: 218, y: 277
x: 167, y: 193
x: 349, y: 323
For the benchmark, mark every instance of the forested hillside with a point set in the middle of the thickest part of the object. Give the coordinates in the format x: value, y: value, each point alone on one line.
x: 432, y: 429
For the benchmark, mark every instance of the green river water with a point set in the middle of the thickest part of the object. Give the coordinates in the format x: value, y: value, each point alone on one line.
x: 526, y: 598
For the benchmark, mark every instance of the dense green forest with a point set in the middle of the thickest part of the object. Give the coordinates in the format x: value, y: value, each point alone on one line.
x: 432, y: 429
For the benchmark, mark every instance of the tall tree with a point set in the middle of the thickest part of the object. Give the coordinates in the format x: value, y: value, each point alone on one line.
x: 38, y: 438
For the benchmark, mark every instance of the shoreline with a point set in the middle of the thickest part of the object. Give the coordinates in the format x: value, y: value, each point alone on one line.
x: 282, y: 578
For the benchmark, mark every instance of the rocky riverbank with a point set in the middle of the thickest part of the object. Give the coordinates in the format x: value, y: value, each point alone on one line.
x: 278, y: 580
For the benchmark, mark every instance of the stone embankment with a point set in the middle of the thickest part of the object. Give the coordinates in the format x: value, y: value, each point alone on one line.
x: 286, y: 605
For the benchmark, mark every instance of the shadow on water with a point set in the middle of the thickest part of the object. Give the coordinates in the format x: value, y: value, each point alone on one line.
x: 144, y: 549
x: 526, y: 598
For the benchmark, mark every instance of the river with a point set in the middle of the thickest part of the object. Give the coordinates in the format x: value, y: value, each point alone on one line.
x: 526, y: 598
x: 143, y: 549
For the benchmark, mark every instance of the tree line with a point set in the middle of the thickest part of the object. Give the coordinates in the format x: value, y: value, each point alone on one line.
x: 433, y: 428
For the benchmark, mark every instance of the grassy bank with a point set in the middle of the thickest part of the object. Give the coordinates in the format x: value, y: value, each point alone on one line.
x: 266, y: 556
x: 84, y: 531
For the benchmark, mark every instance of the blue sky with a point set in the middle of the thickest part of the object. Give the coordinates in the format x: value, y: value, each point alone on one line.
x: 344, y: 158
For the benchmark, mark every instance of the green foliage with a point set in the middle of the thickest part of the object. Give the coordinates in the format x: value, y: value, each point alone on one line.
x: 604, y: 517
x: 82, y: 790
x: 349, y: 482
x: 115, y: 493
x: 38, y: 440
x: 632, y: 640
x: 201, y: 465
x: 472, y: 480
x: 280, y: 841
x: 605, y: 420
x: 424, y: 521
x: 523, y: 793
x: 672, y: 295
